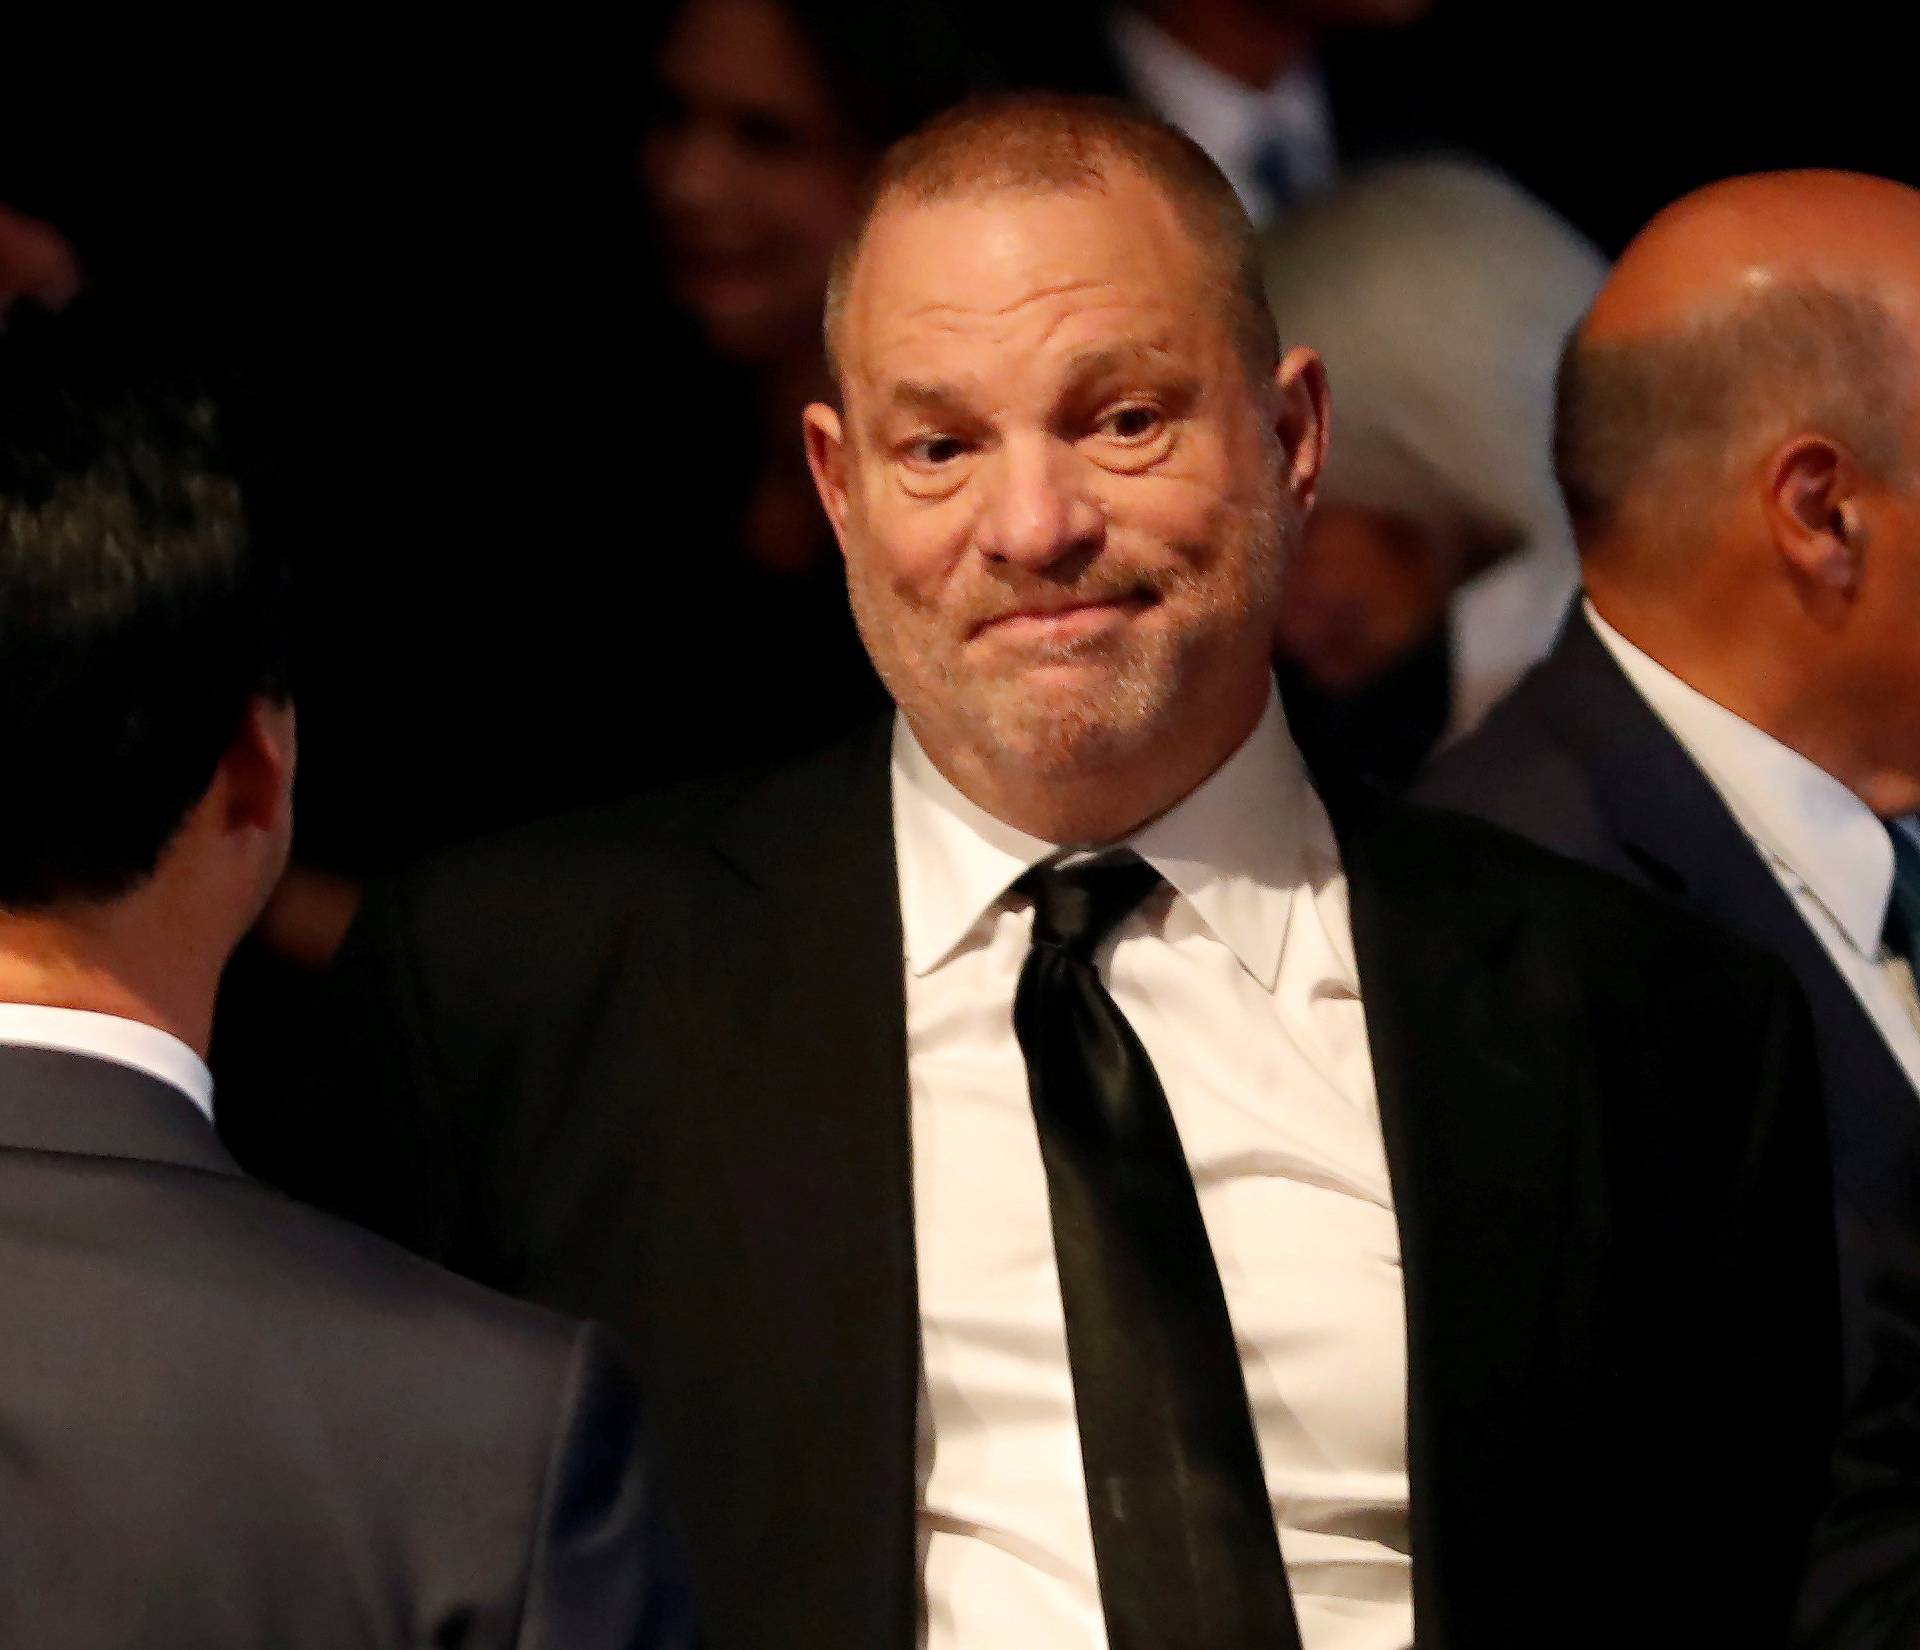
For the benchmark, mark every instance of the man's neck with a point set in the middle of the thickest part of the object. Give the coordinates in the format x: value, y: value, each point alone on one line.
x: 52, y: 962
x: 1244, y: 42
x: 1746, y: 678
x: 1089, y: 804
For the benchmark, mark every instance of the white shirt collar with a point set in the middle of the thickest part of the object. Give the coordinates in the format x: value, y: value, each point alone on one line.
x: 1235, y: 848
x: 1796, y: 812
x: 1226, y: 117
x: 109, y: 1037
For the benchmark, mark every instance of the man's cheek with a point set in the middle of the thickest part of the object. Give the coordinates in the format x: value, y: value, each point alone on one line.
x: 1172, y: 509
x: 930, y: 556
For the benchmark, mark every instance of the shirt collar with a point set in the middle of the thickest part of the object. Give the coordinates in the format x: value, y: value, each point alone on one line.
x: 1236, y: 847
x: 1795, y: 812
x: 110, y: 1037
x: 1225, y: 116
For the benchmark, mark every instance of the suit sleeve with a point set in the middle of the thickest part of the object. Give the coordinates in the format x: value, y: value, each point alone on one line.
x: 604, y: 1573
x: 1863, y: 1584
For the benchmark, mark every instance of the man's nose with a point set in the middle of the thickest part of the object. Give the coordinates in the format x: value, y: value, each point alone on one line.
x: 1040, y: 509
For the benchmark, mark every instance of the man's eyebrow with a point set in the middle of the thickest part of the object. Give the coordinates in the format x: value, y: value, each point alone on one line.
x: 917, y: 395
x: 1106, y: 360
x: 935, y: 398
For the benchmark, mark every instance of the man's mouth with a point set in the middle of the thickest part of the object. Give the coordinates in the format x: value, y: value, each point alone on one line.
x: 1062, y: 620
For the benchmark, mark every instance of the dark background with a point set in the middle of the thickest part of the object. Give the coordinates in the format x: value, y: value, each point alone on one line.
x: 489, y: 447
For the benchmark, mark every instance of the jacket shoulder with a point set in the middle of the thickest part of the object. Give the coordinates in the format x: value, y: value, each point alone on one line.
x: 1419, y: 851
x: 1518, y: 771
x: 647, y: 843
x: 333, y: 1407
x: 354, y: 1301
x: 526, y: 923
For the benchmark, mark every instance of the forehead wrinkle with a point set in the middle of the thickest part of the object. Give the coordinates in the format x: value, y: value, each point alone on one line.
x: 1119, y: 294
x: 963, y: 320
x: 923, y: 395
x: 1039, y: 295
x: 954, y: 320
x: 1087, y: 363
x: 1153, y: 320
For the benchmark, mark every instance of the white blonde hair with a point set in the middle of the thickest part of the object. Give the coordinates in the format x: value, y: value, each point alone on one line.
x: 1439, y: 294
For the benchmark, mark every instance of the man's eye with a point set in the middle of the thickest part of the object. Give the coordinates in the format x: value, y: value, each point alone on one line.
x: 932, y: 451
x: 1134, y: 423
x: 768, y: 136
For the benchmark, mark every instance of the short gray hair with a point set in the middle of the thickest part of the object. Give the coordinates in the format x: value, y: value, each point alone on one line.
x: 1041, y: 142
x: 1688, y: 405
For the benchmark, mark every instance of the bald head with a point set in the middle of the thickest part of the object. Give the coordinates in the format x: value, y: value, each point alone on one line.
x: 1748, y: 313
x: 1737, y: 238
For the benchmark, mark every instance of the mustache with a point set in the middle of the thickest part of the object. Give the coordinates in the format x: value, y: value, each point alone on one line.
x: 1038, y: 595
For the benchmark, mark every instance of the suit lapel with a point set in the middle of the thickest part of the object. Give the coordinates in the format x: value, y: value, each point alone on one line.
x: 1484, y: 1119
x: 1672, y: 820
x: 789, y: 1283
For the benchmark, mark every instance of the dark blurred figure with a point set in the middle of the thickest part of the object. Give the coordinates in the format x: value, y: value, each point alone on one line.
x: 768, y: 118
x: 579, y: 434
x: 1438, y: 563
x: 1733, y: 715
x: 1608, y: 113
x: 37, y: 264
x: 1280, y: 93
x: 230, y: 1421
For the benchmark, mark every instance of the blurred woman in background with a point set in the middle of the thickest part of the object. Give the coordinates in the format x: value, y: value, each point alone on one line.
x: 767, y: 120
x: 1438, y: 563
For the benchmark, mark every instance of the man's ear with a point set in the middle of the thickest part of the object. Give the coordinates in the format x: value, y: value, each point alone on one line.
x: 257, y: 769
x: 827, y: 459
x: 1810, y: 494
x: 1303, y: 413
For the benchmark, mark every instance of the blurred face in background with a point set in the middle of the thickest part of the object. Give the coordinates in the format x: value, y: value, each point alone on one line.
x: 754, y: 175
x: 36, y: 263
x: 1061, y: 496
x: 1224, y: 18
x: 1348, y: 13
x: 1365, y: 589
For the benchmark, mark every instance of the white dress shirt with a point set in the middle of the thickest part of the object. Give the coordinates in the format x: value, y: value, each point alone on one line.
x: 109, y: 1037
x: 1827, y: 848
x: 1230, y: 119
x: 1239, y: 978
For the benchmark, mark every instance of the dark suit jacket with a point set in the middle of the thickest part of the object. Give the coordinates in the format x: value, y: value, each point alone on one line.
x: 1576, y: 760
x: 652, y: 1063
x: 1379, y: 104
x: 231, y: 1423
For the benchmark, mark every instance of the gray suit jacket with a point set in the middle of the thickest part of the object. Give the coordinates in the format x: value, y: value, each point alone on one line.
x: 228, y: 1422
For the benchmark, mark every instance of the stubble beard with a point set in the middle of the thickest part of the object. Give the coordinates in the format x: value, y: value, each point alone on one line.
x: 1085, y: 703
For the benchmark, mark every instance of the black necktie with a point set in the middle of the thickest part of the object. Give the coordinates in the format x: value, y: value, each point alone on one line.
x: 1903, y: 910
x: 1183, y: 1532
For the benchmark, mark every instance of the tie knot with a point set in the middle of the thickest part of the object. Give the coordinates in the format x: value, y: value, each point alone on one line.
x: 1076, y: 907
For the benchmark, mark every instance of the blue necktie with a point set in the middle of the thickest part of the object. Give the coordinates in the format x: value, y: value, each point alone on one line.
x: 1273, y: 170
x: 1903, y: 910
